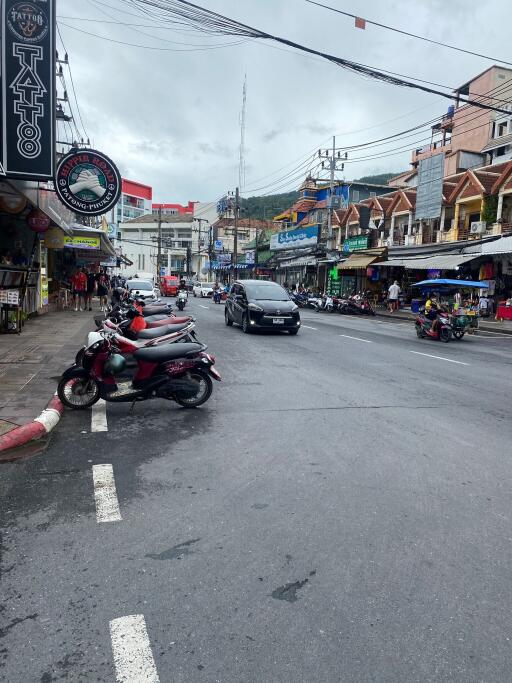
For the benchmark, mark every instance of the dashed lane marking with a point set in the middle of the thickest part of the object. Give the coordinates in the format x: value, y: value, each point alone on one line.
x: 448, y: 360
x: 105, y: 494
x: 201, y: 306
x: 131, y: 648
x: 367, y: 341
x: 309, y: 328
x: 99, y: 417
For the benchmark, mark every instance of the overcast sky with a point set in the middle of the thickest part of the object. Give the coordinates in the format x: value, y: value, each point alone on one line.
x: 171, y: 119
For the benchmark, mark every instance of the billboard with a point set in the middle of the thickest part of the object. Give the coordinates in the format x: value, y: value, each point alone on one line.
x: 294, y: 239
x: 429, y: 195
x: 27, y: 143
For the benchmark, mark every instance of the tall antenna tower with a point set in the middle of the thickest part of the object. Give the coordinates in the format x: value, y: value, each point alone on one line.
x: 241, y: 156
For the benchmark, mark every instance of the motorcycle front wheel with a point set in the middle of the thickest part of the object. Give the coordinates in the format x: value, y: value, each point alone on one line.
x: 78, y: 393
x: 445, y: 335
x: 419, y: 331
x: 204, y: 390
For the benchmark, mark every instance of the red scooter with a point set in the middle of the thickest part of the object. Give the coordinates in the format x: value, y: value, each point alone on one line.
x: 443, y: 332
x: 179, y: 372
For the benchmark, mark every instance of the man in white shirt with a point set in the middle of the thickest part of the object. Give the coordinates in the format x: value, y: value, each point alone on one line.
x: 393, y: 293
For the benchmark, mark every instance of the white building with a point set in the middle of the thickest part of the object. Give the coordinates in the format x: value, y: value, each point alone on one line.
x: 181, y: 252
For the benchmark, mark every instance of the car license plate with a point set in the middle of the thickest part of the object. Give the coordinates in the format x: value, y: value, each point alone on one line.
x: 278, y: 321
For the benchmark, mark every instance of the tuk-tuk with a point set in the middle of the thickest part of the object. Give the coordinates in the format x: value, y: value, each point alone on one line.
x: 169, y: 285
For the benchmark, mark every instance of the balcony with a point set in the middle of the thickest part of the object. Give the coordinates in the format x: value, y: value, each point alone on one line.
x: 431, y: 150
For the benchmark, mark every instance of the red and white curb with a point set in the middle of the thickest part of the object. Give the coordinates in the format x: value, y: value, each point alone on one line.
x: 37, y: 429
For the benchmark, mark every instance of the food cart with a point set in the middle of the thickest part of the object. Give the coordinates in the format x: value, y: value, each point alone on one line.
x: 464, y: 318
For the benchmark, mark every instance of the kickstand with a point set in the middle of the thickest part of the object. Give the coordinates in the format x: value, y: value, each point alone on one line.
x: 130, y: 412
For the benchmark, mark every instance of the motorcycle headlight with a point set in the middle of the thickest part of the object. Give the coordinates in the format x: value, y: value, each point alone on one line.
x: 255, y: 307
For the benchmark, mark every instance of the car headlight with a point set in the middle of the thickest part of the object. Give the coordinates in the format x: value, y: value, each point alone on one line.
x: 295, y: 308
x: 255, y: 307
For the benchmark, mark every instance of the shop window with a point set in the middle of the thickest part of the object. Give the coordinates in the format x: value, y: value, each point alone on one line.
x: 500, y: 152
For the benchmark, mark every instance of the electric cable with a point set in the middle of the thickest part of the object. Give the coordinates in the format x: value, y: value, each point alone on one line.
x: 411, y: 35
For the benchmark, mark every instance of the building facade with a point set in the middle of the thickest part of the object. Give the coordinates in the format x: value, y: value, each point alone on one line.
x: 135, y: 201
x: 181, y: 250
x: 173, y: 209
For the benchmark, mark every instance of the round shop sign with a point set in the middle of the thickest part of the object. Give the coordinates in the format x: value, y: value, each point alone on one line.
x: 87, y: 182
x: 27, y: 21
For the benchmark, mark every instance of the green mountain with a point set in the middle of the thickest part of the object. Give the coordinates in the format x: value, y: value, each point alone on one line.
x: 267, y: 207
x: 378, y: 179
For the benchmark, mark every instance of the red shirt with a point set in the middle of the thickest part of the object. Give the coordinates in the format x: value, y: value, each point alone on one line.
x: 79, y: 282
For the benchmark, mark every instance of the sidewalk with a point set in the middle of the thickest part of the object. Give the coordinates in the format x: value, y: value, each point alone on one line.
x: 485, y: 324
x: 32, y: 362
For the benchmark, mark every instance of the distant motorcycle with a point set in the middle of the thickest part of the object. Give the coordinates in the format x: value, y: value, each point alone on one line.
x: 181, y: 299
x: 217, y: 296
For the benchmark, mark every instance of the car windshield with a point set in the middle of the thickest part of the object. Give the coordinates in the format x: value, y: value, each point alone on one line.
x: 141, y: 284
x: 208, y: 284
x: 267, y: 292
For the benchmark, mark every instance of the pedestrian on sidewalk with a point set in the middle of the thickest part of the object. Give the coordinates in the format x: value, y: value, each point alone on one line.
x: 79, y: 281
x: 103, y: 284
x: 393, y: 294
x: 91, y: 286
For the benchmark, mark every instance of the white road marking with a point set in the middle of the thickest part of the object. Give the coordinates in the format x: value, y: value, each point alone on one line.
x: 367, y: 341
x: 105, y: 494
x: 309, y: 328
x: 201, y: 306
x: 133, y: 657
x: 448, y: 360
x: 99, y: 417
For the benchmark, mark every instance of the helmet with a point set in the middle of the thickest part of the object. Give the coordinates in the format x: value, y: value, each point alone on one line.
x: 115, y: 364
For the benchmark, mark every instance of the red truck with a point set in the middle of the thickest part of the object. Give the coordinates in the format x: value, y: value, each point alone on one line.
x: 169, y: 285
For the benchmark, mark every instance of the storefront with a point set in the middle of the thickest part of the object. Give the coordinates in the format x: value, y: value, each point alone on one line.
x: 358, y: 272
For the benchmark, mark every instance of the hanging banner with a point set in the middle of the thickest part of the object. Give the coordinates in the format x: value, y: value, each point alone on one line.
x: 294, y: 239
x: 27, y: 144
x: 87, y: 182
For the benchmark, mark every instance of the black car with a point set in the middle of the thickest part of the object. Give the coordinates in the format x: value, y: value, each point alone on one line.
x: 259, y: 304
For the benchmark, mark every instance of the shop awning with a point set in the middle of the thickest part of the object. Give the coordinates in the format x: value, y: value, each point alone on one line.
x: 444, y: 262
x: 358, y: 261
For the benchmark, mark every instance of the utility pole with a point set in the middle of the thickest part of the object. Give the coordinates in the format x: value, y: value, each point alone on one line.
x: 332, y: 157
x: 210, y: 252
x: 331, y: 187
x: 235, y: 241
x: 159, y: 244
x: 200, y: 221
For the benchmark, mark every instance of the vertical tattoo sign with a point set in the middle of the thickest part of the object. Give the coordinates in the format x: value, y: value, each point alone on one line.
x: 27, y: 143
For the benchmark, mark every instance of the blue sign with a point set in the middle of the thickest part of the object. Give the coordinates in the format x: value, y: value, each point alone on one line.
x: 218, y: 245
x: 295, y: 239
x: 163, y: 271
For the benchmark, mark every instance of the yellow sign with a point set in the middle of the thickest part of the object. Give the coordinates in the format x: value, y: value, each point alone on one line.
x: 77, y: 242
x: 54, y: 238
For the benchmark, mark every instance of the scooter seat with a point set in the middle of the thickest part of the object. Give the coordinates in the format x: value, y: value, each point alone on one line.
x: 155, y: 332
x: 159, y: 354
x: 148, y: 311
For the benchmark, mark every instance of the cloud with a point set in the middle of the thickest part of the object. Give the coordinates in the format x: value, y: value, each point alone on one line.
x: 171, y: 119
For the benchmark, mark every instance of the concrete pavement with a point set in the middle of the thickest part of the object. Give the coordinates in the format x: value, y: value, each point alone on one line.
x: 338, y: 511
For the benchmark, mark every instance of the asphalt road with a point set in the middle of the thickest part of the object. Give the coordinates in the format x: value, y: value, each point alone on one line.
x: 339, y: 511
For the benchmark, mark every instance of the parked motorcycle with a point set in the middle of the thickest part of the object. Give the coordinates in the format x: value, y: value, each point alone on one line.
x: 181, y: 299
x: 358, y: 304
x: 444, y: 331
x: 179, y: 372
x: 325, y: 304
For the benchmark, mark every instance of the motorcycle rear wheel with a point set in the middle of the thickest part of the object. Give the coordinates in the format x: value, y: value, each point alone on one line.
x: 78, y: 393
x: 205, y: 388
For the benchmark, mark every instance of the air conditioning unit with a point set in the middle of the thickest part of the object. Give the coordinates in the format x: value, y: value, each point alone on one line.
x: 478, y: 227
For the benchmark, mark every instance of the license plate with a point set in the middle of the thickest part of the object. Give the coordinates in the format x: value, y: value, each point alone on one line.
x: 278, y: 321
